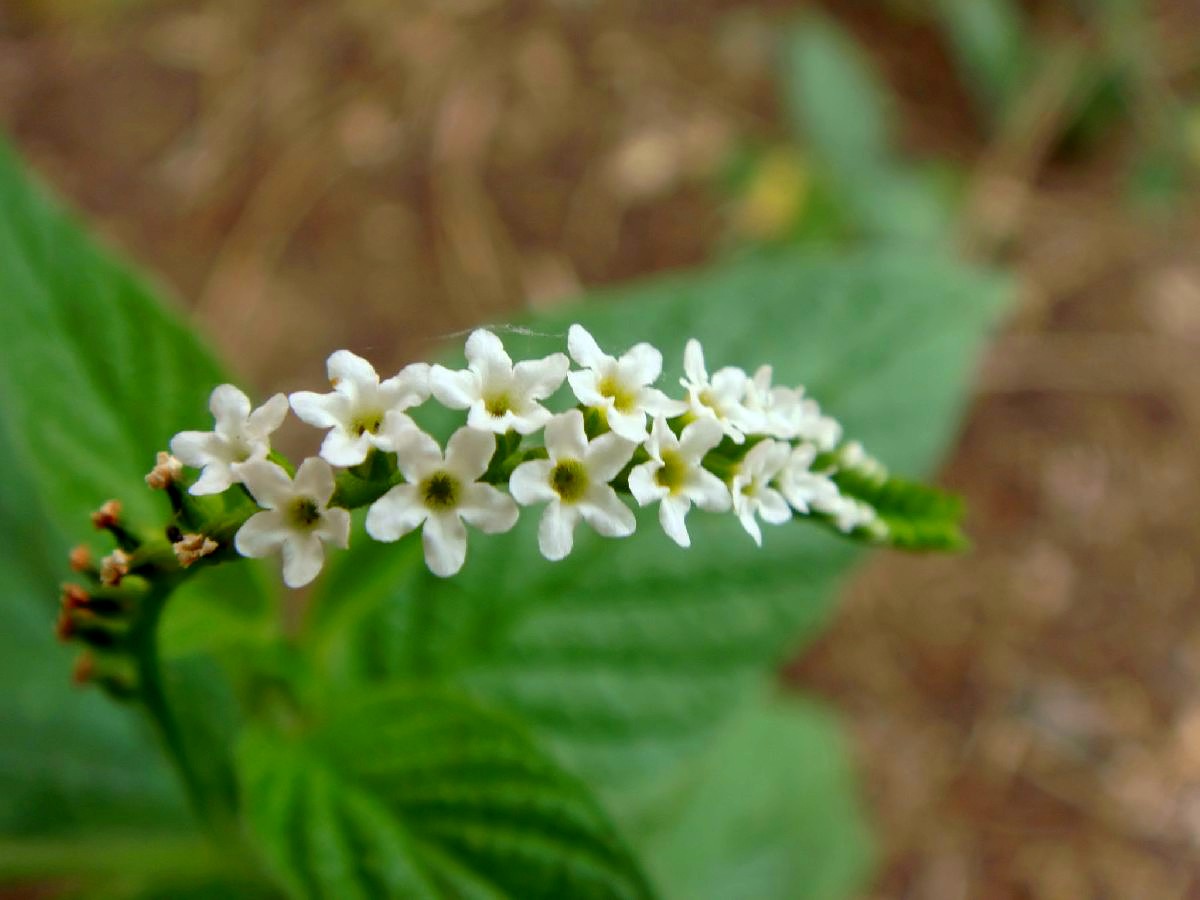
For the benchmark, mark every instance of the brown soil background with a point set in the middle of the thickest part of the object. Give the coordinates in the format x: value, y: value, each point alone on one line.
x: 376, y: 175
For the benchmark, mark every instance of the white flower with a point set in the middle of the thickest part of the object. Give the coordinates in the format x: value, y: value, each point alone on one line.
x: 358, y: 410
x: 500, y: 396
x: 751, y: 488
x: 854, y: 457
x: 719, y: 398
x: 619, y: 387
x: 442, y: 493
x: 238, y: 436
x: 296, y: 517
x: 849, y: 514
x: 810, y: 424
x: 805, y: 489
x: 574, y: 483
x: 675, y: 477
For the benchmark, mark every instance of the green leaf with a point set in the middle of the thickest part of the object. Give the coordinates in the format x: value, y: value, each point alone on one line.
x: 627, y: 654
x: 420, y: 793
x: 992, y: 47
x: 95, y: 376
x: 841, y: 112
x: 918, y: 517
x: 769, y: 812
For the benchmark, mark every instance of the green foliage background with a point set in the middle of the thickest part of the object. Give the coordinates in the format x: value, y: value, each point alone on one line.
x: 604, y: 727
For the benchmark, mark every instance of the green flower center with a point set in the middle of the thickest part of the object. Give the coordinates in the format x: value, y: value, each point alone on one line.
x: 440, y: 491
x: 569, y: 479
x: 367, y: 422
x: 673, y: 473
x: 623, y: 399
x: 497, y: 404
x: 304, y: 512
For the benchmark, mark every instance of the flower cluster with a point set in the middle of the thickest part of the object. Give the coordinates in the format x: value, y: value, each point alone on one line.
x: 732, y: 442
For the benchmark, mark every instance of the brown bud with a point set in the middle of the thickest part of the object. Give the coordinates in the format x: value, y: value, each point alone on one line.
x: 64, y: 628
x: 81, y: 558
x: 108, y: 515
x: 74, y: 597
x: 85, y: 668
x: 114, y: 567
x: 167, y: 470
x: 193, y: 547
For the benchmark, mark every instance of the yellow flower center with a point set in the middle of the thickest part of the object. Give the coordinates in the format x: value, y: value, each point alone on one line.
x: 624, y: 400
x: 673, y: 473
x: 569, y: 479
x: 440, y: 491
x: 304, y: 512
x: 497, y: 404
x: 367, y: 422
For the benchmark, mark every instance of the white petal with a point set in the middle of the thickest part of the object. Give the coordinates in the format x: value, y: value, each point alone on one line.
x: 479, y: 418
x: 395, y: 425
x: 457, y: 390
x: 643, y: 485
x: 603, y: 510
x: 490, y: 510
x: 772, y: 507
x: 486, y: 355
x: 396, y: 513
x: 340, y: 449
x: 445, y: 540
x: 533, y: 419
x: 661, y: 437
x: 216, y: 477
x: 671, y: 514
x: 320, y: 410
x: 268, y: 417
x: 229, y: 405
x: 629, y: 425
x: 537, y: 379
x: 698, y: 438
x: 468, y: 452
x: 565, y: 436
x: 584, y: 349
x: 409, y: 387
x: 267, y: 483
x: 693, y: 362
x: 349, y: 371
x: 585, y: 386
x: 417, y: 454
x: 530, y: 482
x: 262, y: 534
x: 708, y: 492
x: 751, y: 525
x: 314, y: 479
x: 641, y: 364
x: 556, y: 530
x: 607, y: 455
x: 197, y: 448
x: 729, y: 386
x: 334, y: 527
x: 303, y: 556
x: 656, y: 403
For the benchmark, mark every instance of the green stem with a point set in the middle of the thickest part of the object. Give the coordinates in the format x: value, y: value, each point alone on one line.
x: 144, y: 648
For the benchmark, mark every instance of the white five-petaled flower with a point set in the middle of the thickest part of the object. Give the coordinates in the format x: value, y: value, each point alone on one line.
x: 297, y: 519
x: 751, y: 487
x: 499, y: 395
x: 619, y: 387
x: 361, y: 412
x: 574, y: 484
x: 239, y: 435
x: 442, y: 492
x: 675, y: 477
x: 804, y: 488
x: 719, y: 398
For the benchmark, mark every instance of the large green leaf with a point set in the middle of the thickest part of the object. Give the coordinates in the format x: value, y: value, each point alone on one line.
x: 420, y: 793
x: 625, y: 655
x: 95, y: 376
x: 769, y: 812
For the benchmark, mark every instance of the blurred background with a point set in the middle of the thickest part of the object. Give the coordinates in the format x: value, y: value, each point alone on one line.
x: 378, y: 175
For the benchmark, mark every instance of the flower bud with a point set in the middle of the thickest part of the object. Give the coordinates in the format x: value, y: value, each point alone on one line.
x: 192, y: 548
x: 114, y: 567
x: 81, y: 558
x: 107, y: 516
x: 167, y: 470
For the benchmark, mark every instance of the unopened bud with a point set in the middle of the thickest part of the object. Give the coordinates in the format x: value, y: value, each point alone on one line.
x: 64, y: 628
x: 167, y: 470
x: 107, y: 516
x: 114, y: 567
x: 84, y: 669
x: 74, y: 597
x: 81, y: 558
x: 193, y: 547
